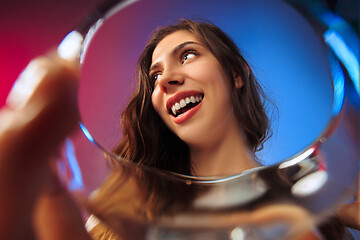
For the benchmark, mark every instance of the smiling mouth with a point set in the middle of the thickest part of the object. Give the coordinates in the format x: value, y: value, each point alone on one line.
x: 185, y: 104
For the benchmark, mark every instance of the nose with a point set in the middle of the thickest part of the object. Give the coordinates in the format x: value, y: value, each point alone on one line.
x: 170, y: 80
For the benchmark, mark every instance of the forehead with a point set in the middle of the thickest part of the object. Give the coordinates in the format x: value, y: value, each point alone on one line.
x: 171, y: 41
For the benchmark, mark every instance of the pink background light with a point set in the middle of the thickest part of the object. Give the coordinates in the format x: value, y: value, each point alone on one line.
x: 31, y: 28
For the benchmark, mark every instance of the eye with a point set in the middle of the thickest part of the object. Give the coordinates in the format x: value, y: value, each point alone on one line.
x: 187, y: 55
x: 155, y: 76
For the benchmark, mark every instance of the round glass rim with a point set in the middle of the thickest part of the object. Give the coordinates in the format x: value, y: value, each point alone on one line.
x: 79, y: 38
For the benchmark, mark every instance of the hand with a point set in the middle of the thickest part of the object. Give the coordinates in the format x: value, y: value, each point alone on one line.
x: 40, y: 112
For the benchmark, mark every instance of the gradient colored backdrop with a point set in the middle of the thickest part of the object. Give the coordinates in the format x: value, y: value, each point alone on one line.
x: 29, y: 29
x: 286, y: 54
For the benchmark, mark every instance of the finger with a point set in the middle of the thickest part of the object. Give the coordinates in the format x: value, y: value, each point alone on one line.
x: 43, y: 97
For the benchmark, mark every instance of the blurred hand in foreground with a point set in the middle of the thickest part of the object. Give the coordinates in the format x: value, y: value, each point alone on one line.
x: 41, y: 110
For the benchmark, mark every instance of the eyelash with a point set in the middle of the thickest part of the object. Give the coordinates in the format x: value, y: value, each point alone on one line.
x: 187, y: 52
x: 154, y: 76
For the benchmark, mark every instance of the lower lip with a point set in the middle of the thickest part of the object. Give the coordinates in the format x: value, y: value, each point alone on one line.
x: 187, y: 115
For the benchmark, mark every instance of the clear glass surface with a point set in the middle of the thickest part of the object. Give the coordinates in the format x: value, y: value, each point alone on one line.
x: 309, y: 163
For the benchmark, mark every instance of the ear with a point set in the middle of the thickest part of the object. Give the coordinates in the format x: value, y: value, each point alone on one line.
x: 238, y: 81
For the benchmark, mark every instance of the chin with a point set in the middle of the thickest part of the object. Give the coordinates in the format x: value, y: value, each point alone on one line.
x: 195, y: 138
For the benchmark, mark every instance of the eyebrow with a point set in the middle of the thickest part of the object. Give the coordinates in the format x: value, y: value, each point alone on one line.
x: 174, y: 51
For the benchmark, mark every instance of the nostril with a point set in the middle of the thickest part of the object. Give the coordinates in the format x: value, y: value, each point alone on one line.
x: 174, y: 82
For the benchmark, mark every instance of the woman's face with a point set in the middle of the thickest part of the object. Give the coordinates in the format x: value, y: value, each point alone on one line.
x: 191, y: 90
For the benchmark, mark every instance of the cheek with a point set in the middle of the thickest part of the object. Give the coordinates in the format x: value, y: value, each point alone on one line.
x: 158, y: 104
x: 219, y: 80
x: 156, y: 100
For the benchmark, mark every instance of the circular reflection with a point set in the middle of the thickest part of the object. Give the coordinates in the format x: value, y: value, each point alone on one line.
x: 288, y: 59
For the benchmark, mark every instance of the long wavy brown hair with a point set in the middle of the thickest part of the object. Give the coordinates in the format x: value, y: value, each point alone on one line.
x: 147, y: 141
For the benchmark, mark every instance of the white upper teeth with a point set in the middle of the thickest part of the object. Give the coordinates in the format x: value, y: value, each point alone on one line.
x: 183, y: 102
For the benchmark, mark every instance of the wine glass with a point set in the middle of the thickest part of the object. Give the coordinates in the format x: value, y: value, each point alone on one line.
x: 309, y: 163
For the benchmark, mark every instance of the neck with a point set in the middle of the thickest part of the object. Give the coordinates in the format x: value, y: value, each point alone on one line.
x: 228, y: 156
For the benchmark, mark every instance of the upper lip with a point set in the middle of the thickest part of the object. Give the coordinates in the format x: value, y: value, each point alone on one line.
x: 180, y: 95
